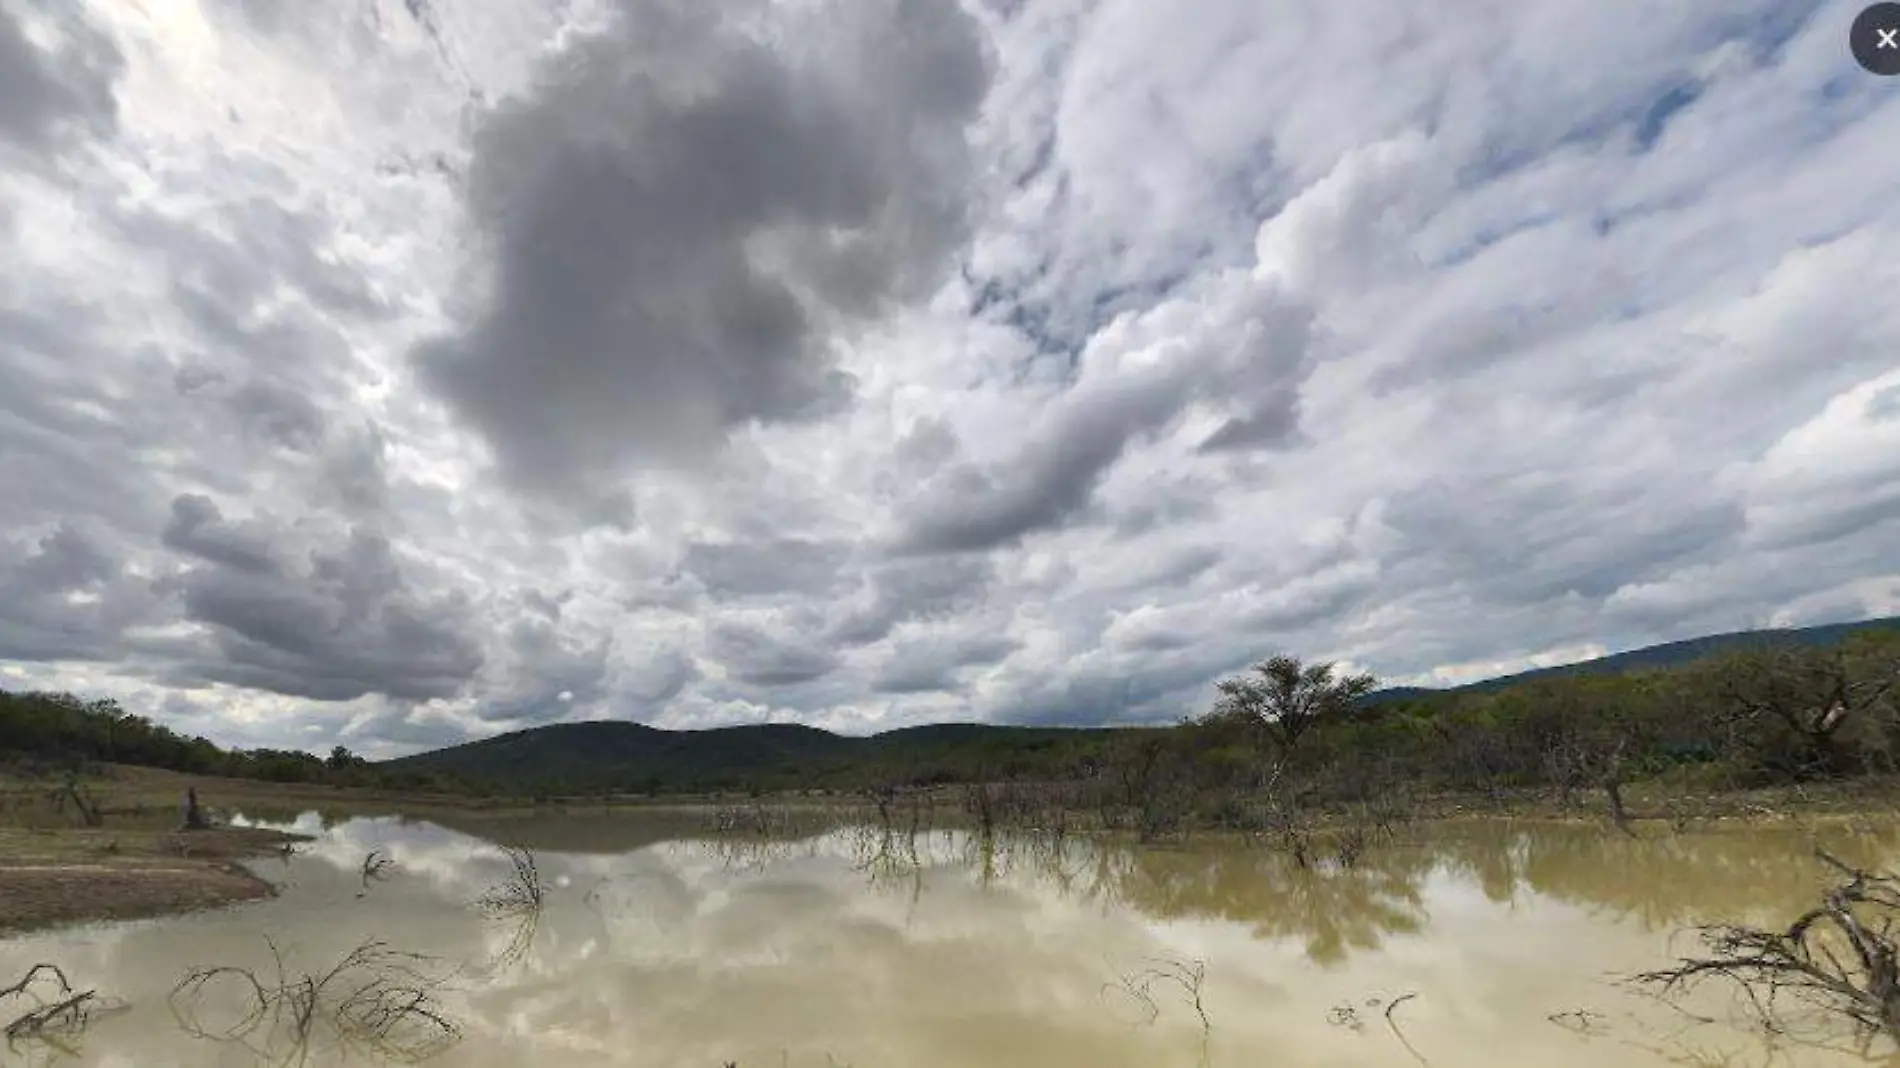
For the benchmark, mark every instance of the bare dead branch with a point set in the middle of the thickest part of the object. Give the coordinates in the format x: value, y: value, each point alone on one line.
x: 374, y: 1001
x: 518, y: 899
x: 376, y: 865
x: 1839, y: 957
x: 1187, y: 976
x: 1393, y: 1023
x: 58, y: 1013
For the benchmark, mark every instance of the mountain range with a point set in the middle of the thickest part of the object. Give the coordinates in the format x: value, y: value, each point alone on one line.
x: 614, y: 755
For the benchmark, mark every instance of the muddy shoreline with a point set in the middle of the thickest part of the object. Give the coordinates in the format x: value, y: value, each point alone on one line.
x: 53, y: 878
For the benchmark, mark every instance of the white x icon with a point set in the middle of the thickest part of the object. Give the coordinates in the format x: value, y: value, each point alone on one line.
x: 1888, y: 38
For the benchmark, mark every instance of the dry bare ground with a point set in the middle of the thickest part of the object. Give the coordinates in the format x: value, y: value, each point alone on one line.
x: 77, y: 875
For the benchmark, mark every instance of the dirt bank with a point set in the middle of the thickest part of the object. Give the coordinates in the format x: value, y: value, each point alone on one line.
x: 57, y: 876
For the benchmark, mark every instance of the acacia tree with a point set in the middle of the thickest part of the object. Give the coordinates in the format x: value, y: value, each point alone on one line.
x: 1794, y: 705
x: 1286, y: 699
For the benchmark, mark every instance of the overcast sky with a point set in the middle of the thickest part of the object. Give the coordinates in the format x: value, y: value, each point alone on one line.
x: 395, y: 372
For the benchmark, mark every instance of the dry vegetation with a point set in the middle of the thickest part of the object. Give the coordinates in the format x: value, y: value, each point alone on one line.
x: 375, y: 1001
x: 517, y: 900
x: 1838, y: 961
x: 44, y: 1008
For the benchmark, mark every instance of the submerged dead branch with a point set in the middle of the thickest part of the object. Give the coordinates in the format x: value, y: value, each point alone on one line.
x: 374, y: 1001
x: 1839, y: 957
x: 751, y: 819
x: 1346, y: 1015
x: 1185, y: 976
x: 520, y: 892
x: 58, y: 1014
x: 1392, y: 1022
x: 518, y: 899
x: 376, y: 865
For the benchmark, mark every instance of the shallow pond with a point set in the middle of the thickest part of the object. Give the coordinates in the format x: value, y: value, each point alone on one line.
x: 656, y: 944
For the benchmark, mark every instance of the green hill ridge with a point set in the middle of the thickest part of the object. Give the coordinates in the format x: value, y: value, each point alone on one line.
x: 622, y: 756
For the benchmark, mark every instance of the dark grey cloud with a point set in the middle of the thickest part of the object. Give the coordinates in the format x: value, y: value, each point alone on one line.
x: 785, y: 566
x: 1230, y: 342
x: 654, y: 677
x: 918, y: 666
x: 757, y: 657
x: 973, y: 508
x: 63, y: 597
x: 1834, y: 512
x: 931, y: 664
x: 1158, y: 688
x: 676, y: 210
x: 553, y: 676
x: 227, y: 264
x: 1177, y: 503
x: 1884, y: 405
x: 198, y: 527
x: 47, y: 95
x: 1558, y: 539
x: 267, y: 16
x: 409, y: 729
x: 280, y: 416
x: 902, y: 590
x: 1270, y: 424
x: 1312, y: 601
x: 346, y: 624
x: 64, y: 434
x: 355, y: 472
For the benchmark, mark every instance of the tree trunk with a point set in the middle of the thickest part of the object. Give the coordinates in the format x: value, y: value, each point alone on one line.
x: 194, y: 816
x: 1613, y: 789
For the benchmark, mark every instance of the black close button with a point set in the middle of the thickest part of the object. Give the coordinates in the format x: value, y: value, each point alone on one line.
x: 1875, y: 39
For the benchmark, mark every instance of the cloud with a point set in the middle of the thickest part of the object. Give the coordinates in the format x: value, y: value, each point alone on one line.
x: 1239, y: 337
x: 790, y: 565
x: 62, y: 597
x: 198, y: 528
x: 551, y: 675
x: 753, y: 655
x: 921, y: 665
x: 57, y: 76
x: 674, y: 215
x: 395, y: 375
x: 902, y: 590
x: 346, y: 624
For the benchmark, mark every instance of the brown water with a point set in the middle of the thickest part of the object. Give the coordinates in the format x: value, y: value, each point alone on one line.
x: 657, y: 946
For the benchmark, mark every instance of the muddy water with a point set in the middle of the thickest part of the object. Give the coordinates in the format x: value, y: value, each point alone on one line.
x: 655, y: 946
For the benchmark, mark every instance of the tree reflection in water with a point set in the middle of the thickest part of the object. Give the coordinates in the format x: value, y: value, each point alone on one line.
x: 1332, y: 909
x: 1661, y: 880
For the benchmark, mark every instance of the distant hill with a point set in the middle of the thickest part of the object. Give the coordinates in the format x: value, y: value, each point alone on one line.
x: 603, y: 755
x: 1668, y: 654
x: 620, y: 756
